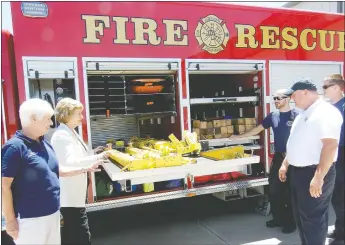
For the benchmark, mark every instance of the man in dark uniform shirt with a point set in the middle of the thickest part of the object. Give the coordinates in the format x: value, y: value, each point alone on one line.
x: 280, y: 121
x: 333, y: 87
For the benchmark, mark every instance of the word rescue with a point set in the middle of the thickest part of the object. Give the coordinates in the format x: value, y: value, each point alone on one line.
x: 175, y: 33
x: 289, y: 38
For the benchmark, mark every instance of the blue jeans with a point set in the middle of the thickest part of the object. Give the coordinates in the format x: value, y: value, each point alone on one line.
x: 311, y: 214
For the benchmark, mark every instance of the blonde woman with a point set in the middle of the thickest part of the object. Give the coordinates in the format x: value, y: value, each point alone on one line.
x: 73, y: 154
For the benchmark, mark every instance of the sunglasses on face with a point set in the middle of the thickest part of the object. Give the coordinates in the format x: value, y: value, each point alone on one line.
x: 327, y: 86
x: 279, y: 98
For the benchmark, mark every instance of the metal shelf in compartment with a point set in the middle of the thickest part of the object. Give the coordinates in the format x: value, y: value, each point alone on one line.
x: 223, y: 100
x: 229, y: 142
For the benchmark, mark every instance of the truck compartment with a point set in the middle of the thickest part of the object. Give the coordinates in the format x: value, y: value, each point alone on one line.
x: 141, y: 103
x: 127, y: 101
x: 226, y: 99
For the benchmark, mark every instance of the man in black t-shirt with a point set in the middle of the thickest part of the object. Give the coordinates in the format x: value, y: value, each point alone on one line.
x: 280, y: 121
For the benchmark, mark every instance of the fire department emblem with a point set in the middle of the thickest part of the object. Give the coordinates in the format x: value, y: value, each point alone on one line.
x: 212, y: 34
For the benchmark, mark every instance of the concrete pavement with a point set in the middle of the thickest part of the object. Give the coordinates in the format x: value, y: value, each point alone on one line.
x: 202, y: 220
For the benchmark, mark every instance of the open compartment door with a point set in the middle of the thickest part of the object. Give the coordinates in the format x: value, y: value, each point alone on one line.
x: 220, y: 67
x: 131, y: 67
x: 50, y: 69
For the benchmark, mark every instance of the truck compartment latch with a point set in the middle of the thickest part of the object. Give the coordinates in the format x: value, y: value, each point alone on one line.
x: 126, y: 185
x: 189, y: 182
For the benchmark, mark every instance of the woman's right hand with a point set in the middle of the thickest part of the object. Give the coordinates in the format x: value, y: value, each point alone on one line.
x: 94, y: 167
x: 104, y: 155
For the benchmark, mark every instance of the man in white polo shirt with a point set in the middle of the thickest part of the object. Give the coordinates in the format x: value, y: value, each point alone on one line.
x: 311, y: 153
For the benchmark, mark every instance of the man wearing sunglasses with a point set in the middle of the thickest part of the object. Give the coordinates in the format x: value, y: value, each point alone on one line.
x: 280, y: 121
x: 311, y: 151
x: 333, y: 87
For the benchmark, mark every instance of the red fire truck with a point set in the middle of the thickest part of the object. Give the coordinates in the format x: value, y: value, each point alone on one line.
x: 152, y: 68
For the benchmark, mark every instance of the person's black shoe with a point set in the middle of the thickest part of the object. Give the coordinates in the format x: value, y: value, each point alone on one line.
x: 273, y: 223
x: 288, y: 229
x: 337, y: 236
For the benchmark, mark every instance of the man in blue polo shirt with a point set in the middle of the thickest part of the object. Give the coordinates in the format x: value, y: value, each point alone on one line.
x: 280, y: 121
x: 333, y: 88
x: 30, y: 179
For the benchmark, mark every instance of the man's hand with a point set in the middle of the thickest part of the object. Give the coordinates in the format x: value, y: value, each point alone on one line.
x: 282, y: 173
x: 12, y: 228
x: 316, y: 186
x: 235, y: 137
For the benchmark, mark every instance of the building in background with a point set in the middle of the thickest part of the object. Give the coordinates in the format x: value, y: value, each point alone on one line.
x: 332, y: 7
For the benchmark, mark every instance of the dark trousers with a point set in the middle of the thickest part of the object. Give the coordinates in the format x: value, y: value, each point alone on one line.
x: 6, y: 239
x: 75, y: 228
x: 338, y: 193
x: 279, y: 194
x: 311, y: 214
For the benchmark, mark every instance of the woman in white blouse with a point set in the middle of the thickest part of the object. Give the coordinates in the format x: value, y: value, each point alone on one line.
x: 73, y: 154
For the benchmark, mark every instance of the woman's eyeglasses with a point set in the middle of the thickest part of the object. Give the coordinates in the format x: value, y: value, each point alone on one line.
x: 327, y: 86
x: 279, y: 98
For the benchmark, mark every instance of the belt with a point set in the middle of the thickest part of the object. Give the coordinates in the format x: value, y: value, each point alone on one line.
x: 303, y: 167
x: 309, y: 166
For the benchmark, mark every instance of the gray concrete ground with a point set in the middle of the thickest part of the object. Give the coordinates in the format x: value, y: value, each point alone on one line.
x: 202, y: 220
